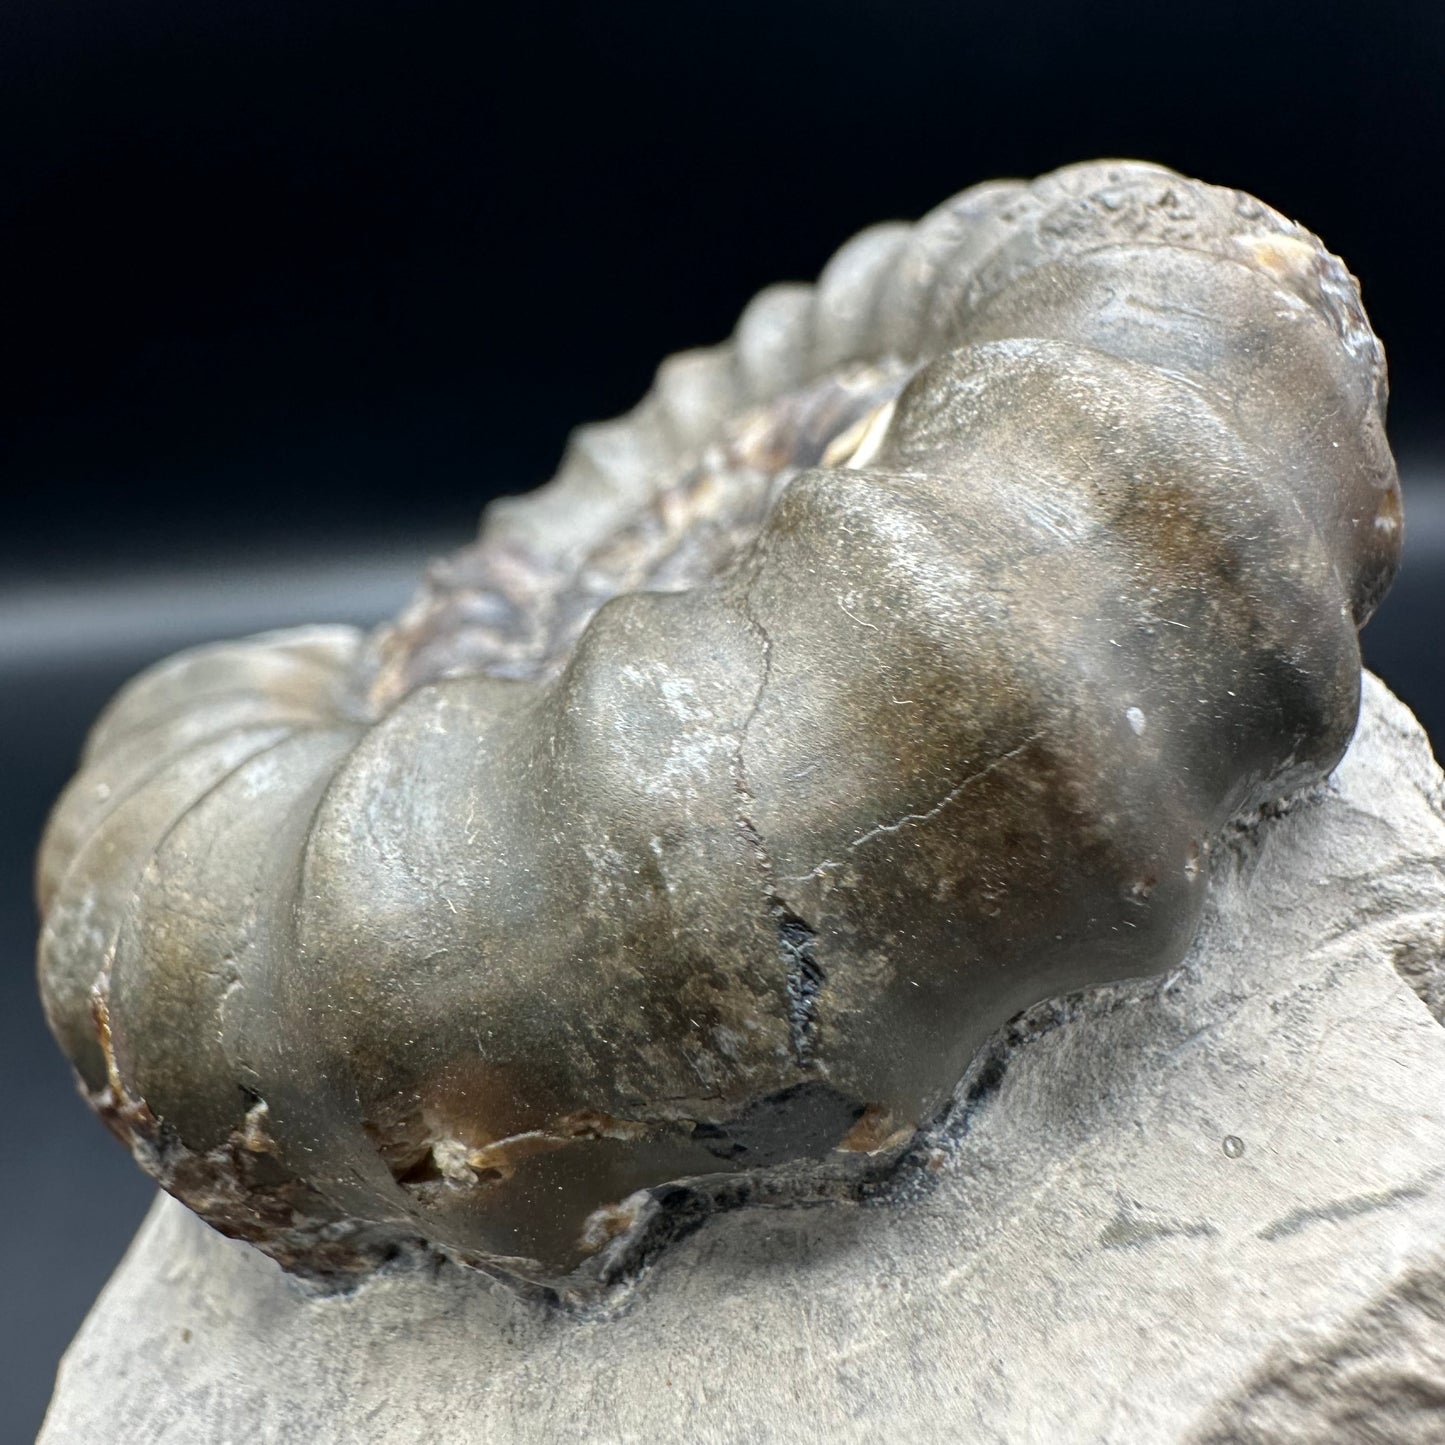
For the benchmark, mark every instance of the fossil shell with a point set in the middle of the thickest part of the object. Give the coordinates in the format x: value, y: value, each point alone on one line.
x: 889, y: 668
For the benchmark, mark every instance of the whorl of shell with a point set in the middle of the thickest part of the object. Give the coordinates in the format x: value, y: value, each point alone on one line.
x: 891, y: 667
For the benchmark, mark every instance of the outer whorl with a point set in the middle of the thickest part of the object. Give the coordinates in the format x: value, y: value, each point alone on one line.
x: 888, y: 669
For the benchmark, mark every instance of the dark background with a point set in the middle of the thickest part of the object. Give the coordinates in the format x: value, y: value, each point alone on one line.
x: 290, y: 288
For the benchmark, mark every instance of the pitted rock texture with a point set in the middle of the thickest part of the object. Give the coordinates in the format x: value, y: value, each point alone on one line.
x: 889, y: 669
x: 1204, y: 1210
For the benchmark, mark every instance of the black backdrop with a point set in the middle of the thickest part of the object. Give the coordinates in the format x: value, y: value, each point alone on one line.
x: 287, y: 279
x: 286, y: 266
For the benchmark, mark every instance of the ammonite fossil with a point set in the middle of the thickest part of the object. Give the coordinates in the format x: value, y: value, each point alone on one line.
x: 890, y: 668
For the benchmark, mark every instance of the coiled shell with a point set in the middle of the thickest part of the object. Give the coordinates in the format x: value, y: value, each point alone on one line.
x: 888, y: 669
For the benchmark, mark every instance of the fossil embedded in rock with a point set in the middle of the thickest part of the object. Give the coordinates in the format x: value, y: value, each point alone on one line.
x: 890, y: 668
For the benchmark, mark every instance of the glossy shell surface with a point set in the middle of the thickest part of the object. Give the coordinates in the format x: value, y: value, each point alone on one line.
x: 891, y: 667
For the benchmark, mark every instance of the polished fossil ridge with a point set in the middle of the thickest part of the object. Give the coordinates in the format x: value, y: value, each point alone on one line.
x: 887, y: 670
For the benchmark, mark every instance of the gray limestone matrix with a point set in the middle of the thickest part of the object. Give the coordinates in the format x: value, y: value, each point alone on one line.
x: 891, y: 668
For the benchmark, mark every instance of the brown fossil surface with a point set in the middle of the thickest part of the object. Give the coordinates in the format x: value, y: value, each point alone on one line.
x: 889, y: 668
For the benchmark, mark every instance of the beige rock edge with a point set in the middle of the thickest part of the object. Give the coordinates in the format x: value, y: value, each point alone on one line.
x: 1080, y: 1258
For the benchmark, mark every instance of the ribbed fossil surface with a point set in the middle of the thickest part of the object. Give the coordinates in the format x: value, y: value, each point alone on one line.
x: 889, y: 668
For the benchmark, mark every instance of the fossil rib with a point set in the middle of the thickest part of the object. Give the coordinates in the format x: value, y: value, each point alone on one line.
x: 888, y: 669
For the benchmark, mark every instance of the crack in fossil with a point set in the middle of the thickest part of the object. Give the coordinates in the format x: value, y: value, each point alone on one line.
x: 948, y: 798
x: 804, y: 975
